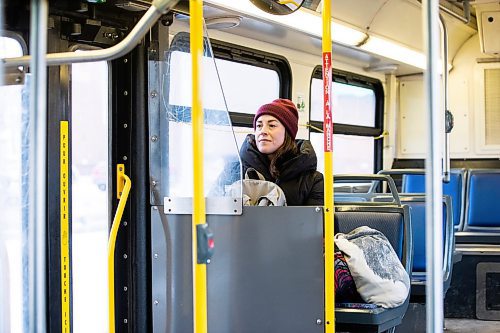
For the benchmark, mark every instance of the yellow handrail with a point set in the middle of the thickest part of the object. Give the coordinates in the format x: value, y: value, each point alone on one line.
x: 328, y: 148
x: 199, y: 269
x: 285, y: 2
x: 123, y: 185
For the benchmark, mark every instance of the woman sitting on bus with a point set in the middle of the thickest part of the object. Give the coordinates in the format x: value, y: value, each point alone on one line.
x: 273, y: 151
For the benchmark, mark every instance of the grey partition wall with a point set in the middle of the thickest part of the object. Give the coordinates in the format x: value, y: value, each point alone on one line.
x: 266, y: 274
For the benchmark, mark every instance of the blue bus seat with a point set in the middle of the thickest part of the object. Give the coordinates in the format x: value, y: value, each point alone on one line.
x: 416, y: 202
x: 418, y: 223
x: 414, y: 182
x: 394, y: 223
x: 482, y: 211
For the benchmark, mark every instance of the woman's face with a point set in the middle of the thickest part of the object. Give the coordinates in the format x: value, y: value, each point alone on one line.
x: 269, y: 134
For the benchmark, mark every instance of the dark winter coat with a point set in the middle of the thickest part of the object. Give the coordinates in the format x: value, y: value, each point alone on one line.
x: 301, y: 183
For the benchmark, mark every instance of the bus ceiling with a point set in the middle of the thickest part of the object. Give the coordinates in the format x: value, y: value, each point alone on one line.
x: 361, y: 32
x: 369, y: 23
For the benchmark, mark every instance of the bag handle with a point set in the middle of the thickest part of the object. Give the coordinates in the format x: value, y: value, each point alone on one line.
x: 251, y: 173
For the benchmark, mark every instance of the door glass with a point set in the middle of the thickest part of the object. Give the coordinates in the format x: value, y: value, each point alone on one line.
x: 13, y: 219
x: 89, y: 125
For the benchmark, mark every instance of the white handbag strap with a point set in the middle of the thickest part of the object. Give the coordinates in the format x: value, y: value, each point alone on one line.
x: 253, y: 171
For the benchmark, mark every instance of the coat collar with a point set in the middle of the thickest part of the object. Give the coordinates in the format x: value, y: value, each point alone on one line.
x: 304, y: 161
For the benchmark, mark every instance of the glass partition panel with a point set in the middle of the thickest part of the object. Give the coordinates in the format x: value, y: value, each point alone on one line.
x: 222, y: 166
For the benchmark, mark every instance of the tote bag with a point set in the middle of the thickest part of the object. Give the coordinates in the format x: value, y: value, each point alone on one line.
x: 376, y: 269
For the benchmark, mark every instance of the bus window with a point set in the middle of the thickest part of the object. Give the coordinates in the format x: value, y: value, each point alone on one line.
x: 89, y: 126
x: 357, y: 114
x: 13, y: 236
x: 352, y: 105
x: 260, y: 86
x: 245, y: 87
x: 350, y: 153
x: 247, y: 82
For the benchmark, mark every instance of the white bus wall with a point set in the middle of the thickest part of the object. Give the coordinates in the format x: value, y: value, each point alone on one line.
x: 411, y: 118
x: 466, y: 102
x: 467, y: 97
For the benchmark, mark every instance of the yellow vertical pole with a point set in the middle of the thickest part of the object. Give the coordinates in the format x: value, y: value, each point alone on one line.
x: 199, y: 270
x: 328, y: 149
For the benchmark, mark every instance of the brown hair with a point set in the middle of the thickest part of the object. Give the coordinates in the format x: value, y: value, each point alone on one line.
x: 288, y: 149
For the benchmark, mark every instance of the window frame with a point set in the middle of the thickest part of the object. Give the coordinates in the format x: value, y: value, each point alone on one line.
x: 17, y: 37
x: 376, y: 131
x: 14, y: 75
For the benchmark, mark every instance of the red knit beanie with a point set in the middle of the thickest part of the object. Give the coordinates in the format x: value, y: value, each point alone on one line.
x: 285, y: 111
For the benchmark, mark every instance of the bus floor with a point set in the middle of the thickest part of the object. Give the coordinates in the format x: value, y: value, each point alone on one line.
x: 471, y: 326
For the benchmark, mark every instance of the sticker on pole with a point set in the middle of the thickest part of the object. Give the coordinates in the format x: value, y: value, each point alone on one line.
x: 327, y: 102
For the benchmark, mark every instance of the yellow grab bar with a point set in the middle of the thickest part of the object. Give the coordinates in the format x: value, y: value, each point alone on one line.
x: 199, y: 218
x: 123, y: 185
x: 328, y: 148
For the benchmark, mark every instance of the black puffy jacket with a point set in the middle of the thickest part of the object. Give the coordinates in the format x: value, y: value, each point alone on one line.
x: 301, y: 183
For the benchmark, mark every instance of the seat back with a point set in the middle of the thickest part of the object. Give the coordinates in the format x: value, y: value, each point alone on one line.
x: 414, y: 182
x: 418, y: 225
x: 483, y: 205
x: 417, y: 212
x: 416, y: 203
x: 392, y: 221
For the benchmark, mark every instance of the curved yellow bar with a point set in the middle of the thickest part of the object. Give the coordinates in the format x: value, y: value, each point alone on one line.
x: 123, y: 189
x: 285, y: 2
x: 199, y: 270
x: 328, y: 144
